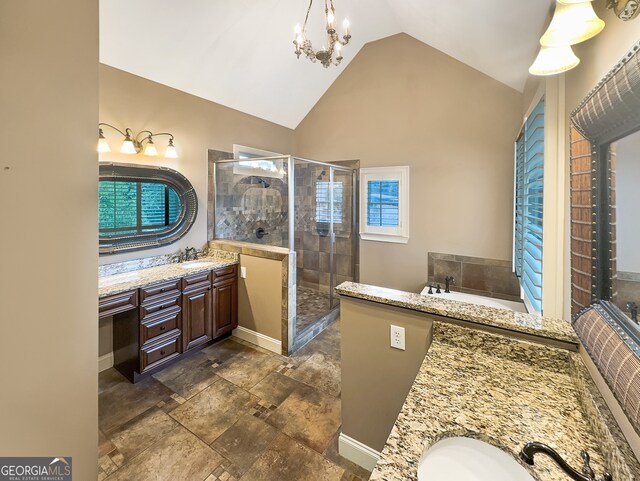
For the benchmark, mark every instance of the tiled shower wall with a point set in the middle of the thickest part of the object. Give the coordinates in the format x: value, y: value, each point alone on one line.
x: 241, y: 206
x: 474, y: 275
x: 312, y: 240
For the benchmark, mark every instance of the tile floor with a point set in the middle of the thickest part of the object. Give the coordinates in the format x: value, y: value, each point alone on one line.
x: 311, y: 304
x: 231, y: 412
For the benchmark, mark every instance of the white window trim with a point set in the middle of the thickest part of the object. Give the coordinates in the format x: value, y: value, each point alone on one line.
x: 398, y: 234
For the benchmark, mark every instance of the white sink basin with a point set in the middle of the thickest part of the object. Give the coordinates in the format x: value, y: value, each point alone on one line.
x: 466, y: 459
x: 195, y: 264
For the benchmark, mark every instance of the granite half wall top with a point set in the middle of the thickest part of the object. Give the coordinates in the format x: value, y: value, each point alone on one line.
x: 543, y: 327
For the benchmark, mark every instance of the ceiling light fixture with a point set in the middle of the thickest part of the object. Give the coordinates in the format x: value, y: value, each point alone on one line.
x: 554, y: 60
x: 334, y: 44
x: 573, y: 22
x: 143, y: 142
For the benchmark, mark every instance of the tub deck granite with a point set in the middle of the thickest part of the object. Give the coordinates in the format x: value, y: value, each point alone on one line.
x: 126, y: 281
x: 499, y: 389
x: 505, y: 392
x: 544, y: 327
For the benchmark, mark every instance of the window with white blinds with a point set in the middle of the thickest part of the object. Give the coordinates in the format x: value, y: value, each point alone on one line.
x: 529, y: 193
x: 136, y: 207
x: 323, y: 202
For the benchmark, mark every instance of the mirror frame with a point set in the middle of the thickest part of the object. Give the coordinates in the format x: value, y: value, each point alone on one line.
x: 145, y: 173
x: 611, y: 111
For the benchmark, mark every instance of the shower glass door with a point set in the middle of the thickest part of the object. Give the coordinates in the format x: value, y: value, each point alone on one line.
x: 342, y: 229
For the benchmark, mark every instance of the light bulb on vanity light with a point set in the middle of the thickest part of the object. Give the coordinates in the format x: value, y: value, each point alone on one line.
x: 128, y: 146
x: 103, y: 146
x: 171, y: 152
x: 150, y: 148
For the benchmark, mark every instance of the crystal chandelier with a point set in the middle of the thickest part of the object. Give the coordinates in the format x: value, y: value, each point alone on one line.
x: 334, y: 44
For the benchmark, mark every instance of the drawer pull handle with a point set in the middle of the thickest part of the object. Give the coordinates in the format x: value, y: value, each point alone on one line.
x: 162, y: 328
x: 162, y: 352
x: 161, y: 307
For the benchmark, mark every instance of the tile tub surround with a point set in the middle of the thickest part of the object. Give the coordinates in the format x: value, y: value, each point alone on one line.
x: 126, y: 281
x: 505, y: 392
x: 474, y: 275
x: 539, y: 327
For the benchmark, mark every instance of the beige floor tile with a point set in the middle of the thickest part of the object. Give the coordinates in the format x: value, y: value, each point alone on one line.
x: 178, y: 456
x: 275, y: 388
x: 321, y: 372
x: 309, y: 416
x: 248, y: 369
x: 191, y: 381
x: 245, y: 441
x: 287, y: 460
x: 141, y: 432
x: 214, y: 410
x: 124, y: 401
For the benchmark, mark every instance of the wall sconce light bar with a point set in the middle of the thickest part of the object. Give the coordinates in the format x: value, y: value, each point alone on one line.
x: 134, y: 144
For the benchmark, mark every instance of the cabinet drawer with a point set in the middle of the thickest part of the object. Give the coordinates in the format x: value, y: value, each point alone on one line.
x: 224, y: 273
x: 169, y: 303
x: 161, y: 325
x: 150, y: 294
x: 117, y: 303
x: 158, y: 353
x: 195, y: 281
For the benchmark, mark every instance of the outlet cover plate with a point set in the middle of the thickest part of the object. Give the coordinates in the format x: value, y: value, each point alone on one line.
x: 397, y: 337
x: 243, y: 272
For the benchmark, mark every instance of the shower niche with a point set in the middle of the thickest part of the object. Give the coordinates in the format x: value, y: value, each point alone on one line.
x: 306, y: 206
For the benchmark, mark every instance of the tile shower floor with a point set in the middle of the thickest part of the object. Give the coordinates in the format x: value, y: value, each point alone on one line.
x: 310, y: 304
x: 230, y: 412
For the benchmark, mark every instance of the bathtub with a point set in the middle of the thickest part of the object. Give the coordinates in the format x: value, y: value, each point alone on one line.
x: 473, y: 299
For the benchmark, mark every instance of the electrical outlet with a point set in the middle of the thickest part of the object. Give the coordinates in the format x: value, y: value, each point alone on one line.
x: 397, y: 337
x: 243, y: 272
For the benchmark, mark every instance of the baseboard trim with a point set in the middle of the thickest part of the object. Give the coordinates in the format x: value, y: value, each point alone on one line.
x: 357, y: 452
x: 266, y: 342
x: 105, y: 362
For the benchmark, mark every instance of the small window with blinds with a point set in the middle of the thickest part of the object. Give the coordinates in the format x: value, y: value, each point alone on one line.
x: 528, y: 216
x: 385, y: 204
x: 323, y: 202
x: 129, y: 208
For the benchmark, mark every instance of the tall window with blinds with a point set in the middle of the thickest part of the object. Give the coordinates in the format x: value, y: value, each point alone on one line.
x: 323, y: 202
x: 529, y: 192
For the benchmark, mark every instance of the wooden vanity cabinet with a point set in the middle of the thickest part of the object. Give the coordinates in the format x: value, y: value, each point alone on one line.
x: 225, y: 302
x: 155, y: 325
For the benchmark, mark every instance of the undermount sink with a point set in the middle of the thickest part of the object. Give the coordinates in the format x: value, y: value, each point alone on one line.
x: 195, y: 264
x: 469, y: 459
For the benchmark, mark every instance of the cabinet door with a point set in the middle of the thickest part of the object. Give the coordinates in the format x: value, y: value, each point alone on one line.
x: 225, y: 299
x: 197, y: 317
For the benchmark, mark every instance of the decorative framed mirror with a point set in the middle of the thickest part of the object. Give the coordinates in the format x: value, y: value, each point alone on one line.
x: 141, y: 207
x: 605, y: 197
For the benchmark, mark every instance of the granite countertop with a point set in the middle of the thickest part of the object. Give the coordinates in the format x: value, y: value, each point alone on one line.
x: 126, y: 281
x: 545, y: 327
x: 505, y: 392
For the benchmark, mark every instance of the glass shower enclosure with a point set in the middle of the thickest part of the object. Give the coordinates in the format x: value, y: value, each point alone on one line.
x: 307, y: 206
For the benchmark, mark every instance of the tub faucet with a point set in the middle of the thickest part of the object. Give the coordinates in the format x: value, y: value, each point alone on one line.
x: 530, y: 449
x: 448, y: 281
x: 190, y: 254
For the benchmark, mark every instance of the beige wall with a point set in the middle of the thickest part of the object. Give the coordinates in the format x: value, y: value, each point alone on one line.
x: 48, y: 233
x: 127, y: 100
x: 401, y: 102
x: 260, y: 296
x: 375, y: 377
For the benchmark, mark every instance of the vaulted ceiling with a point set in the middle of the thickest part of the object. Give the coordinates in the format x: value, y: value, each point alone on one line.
x: 239, y: 53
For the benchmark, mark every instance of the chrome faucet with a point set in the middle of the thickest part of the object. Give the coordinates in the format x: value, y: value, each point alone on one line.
x: 448, y: 281
x: 530, y: 449
x: 190, y: 254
